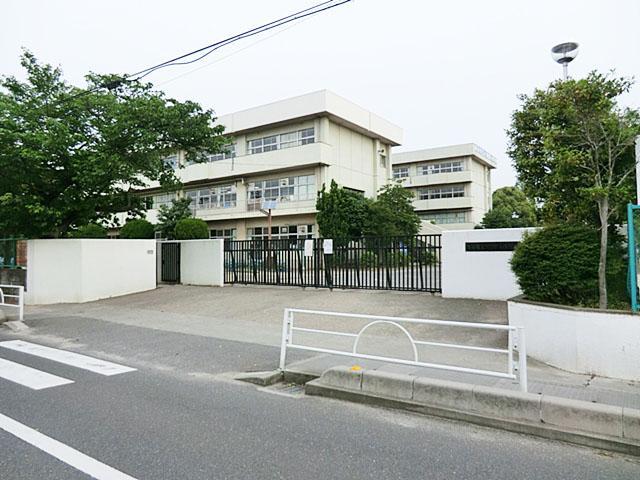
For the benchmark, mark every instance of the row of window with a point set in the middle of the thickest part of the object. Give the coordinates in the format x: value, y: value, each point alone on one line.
x: 445, y: 217
x: 283, y: 140
x: 430, y: 169
x: 226, y: 233
x: 257, y: 145
x: 443, y: 191
x: 160, y: 199
x: 219, y: 196
x: 287, y: 189
x: 284, y: 231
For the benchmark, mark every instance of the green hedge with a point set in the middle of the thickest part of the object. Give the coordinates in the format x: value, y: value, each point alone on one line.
x: 559, y: 264
x: 191, y: 228
x: 91, y: 230
x: 137, y: 228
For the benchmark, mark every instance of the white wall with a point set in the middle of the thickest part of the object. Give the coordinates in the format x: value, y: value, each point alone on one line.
x: 81, y: 270
x: 202, y: 262
x: 579, y: 340
x: 481, y: 275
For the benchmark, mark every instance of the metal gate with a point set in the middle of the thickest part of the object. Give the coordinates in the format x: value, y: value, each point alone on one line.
x: 373, y: 263
x: 170, y: 262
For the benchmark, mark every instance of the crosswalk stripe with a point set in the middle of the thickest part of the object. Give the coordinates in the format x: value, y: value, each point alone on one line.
x: 29, y: 377
x: 72, y: 359
x: 62, y: 452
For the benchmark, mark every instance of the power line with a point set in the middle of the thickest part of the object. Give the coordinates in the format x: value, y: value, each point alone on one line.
x: 321, y: 7
x: 318, y: 8
x: 177, y: 77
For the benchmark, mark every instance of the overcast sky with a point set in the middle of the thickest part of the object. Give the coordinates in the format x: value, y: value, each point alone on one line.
x: 446, y: 72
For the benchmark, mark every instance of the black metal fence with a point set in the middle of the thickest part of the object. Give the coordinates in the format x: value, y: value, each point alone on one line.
x: 395, y: 263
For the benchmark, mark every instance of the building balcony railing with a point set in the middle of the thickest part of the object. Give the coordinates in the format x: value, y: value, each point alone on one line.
x: 443, y: 203
x: 437, y: 179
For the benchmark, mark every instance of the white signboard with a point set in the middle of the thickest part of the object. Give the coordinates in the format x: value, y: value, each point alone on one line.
x: 269, y: 205
x: 327, y: 244
x: 308, y: 248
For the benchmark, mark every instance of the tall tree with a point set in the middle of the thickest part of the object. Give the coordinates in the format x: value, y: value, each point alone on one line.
x: 572, y: 147
x: 392, y: 213
x: 72, y: 156
x: 511, y: 209
x: 169, y: 216
x: 342, y: 213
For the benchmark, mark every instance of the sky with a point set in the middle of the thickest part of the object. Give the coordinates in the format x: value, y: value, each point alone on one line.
x: 446, y: 72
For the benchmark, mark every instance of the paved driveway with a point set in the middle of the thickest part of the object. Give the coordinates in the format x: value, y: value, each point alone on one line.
x: 254, y: 313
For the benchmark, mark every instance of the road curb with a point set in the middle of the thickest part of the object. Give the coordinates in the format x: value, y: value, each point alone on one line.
x: 584, y: 423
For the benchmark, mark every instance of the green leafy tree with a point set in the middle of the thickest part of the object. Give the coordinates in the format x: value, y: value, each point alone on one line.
x: 91, y: 230
x: 572, y: 147
x: 71, y: 156
x: 169, y: 216
x: 392, y: 213
x: 342, y: 213
x: 191, y: 229
x: 137, y: 228
x: 511, y: 209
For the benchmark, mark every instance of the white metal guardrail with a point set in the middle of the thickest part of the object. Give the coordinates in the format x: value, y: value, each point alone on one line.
x: 18, y: 294
x: 516, y: 343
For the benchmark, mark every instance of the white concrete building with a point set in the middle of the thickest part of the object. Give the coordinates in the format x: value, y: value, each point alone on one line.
x: 452, y: 185
x: 285, y: 151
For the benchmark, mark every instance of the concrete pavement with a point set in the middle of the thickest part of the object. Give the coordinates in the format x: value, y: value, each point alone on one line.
x: 181, y: 416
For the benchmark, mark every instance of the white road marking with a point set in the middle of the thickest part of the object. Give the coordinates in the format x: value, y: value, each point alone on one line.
x: 62, y: 452
x: 68, y: 358
x: 29, y: 377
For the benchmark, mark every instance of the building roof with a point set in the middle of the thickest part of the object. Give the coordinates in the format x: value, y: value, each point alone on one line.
x: 313, y: 105
x: 449, y: 151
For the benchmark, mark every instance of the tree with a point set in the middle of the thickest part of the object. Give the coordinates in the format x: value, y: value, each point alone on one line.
x: 71, y: 156
x: 342, y: 213
x: 191, y: 228
x: 572, y: 147
x: 168, y: 217
x: 137, y: 228
x: 392, y: 213
x: 511, y: 209
x: 91, y: 230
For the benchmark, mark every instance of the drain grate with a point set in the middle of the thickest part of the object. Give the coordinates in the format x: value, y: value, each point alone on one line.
x: 291, y: 390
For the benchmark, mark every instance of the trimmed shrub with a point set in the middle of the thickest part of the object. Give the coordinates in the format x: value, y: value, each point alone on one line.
x: 137, y: 228
x: 191, y: 228
x: 91, y: 230
x: 559, y: 264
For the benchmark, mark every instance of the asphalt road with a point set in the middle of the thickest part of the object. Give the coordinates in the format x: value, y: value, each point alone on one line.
x: 182, y: 416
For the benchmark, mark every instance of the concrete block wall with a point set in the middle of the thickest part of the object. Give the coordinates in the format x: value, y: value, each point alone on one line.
x: 483, y: 275
x: 580, y: 340
x: 82, y: 270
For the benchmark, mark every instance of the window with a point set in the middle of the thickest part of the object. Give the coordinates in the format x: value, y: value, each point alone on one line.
x: 445, y: 217
x: 441, y: 167
x: 226, y: 233
x: 156, y: 201
x: 284, y: 140
x: 229, y: 151
x: 445, y: 191
x: 287, y: 189
x: 171, y: 161
x: 219, y: 196
x: 292, y: 232
x: 400, y: 172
